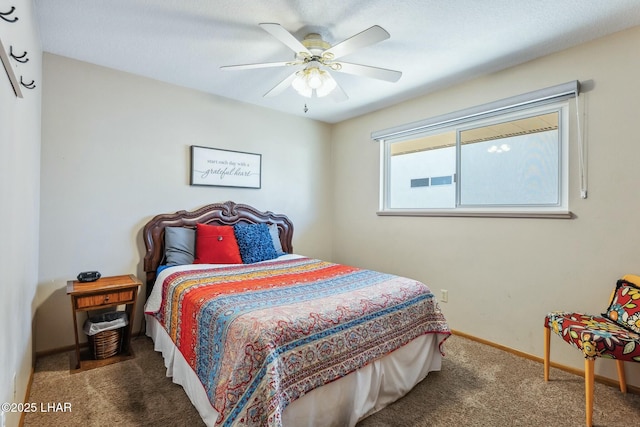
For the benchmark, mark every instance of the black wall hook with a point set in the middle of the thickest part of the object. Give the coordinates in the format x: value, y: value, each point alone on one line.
x: 20, y: 58
x: 4, y: 15
x: 30, y: 85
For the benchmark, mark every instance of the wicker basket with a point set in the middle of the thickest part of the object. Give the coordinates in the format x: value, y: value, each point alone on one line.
x: 106, y: 344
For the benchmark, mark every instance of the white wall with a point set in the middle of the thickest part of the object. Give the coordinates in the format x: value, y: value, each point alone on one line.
x: 19, y: 201
x: 115, y: 152
x: 504, y: 275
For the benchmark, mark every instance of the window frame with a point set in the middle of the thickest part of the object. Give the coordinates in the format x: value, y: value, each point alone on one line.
x: 530, y: 104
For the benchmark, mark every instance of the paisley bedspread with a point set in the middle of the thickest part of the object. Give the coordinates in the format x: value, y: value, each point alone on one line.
x: 261, y: 335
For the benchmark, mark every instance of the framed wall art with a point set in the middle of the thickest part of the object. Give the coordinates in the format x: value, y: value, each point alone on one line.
x: 225, y: 168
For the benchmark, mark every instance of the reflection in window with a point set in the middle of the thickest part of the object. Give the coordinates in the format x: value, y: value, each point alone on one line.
x: 511, y: 163
x: 508, y: 161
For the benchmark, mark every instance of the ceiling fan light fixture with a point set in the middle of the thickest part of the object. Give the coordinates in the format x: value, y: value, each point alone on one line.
x: 328, y: 85
x: 300, y: 85
x: 313, y: 78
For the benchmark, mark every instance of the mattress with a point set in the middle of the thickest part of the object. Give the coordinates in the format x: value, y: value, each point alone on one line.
x: 286, y: 387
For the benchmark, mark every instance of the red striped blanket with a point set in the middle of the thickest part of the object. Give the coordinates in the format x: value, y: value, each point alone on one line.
x: 261, y: 335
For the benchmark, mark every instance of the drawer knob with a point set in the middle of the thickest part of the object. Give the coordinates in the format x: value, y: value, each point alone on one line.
x: 106, y: 299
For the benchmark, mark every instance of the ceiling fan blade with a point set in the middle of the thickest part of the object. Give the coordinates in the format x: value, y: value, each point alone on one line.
x: 261, y: 65
x: 280, y: 87
x: 369, y: 71
x: 277, y: 31
x: 367, y: 37
x: 338, y: 94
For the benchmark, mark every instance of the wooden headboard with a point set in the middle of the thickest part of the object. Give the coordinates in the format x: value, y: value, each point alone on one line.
x: 227, y: 213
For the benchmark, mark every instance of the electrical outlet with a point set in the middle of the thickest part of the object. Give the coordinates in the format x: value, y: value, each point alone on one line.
x: 444, y: 295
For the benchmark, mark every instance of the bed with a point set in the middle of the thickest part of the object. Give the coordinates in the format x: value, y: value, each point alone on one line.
x: 280, y: 339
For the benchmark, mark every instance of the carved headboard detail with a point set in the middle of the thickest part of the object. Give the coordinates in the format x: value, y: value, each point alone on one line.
x: 227, y: 213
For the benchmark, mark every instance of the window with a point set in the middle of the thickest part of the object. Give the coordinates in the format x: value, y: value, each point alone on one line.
x: 508, y: 158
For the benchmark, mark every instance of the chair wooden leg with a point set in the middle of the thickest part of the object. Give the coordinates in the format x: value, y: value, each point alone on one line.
x: 621, y: 377
x: 588, y: 385
x: 547, y: 351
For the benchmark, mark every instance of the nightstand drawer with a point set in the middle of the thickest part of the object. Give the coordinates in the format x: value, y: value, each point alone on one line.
x: 122, y: 297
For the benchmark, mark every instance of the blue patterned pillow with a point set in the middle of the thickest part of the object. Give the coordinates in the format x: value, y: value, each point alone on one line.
x: 255, y: 242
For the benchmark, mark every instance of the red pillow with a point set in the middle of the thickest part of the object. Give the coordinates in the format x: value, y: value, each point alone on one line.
x: 216, y: 244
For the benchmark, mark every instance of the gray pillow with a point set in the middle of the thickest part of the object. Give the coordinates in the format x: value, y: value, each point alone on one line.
x: 275, y: 236
x: 179, y: 245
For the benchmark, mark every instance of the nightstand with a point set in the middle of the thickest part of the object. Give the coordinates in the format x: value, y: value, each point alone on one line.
x: 103, y: 293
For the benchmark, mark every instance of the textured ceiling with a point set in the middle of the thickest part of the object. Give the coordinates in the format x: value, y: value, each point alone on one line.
x: 434, y: 43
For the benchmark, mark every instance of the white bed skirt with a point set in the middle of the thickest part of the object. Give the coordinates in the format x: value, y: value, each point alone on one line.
x: 341, y: 403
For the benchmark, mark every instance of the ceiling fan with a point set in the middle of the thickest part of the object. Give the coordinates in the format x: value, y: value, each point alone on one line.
x: 315, y: 58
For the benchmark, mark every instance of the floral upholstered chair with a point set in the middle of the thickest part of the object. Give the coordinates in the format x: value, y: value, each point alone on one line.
x: 613, y: 335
